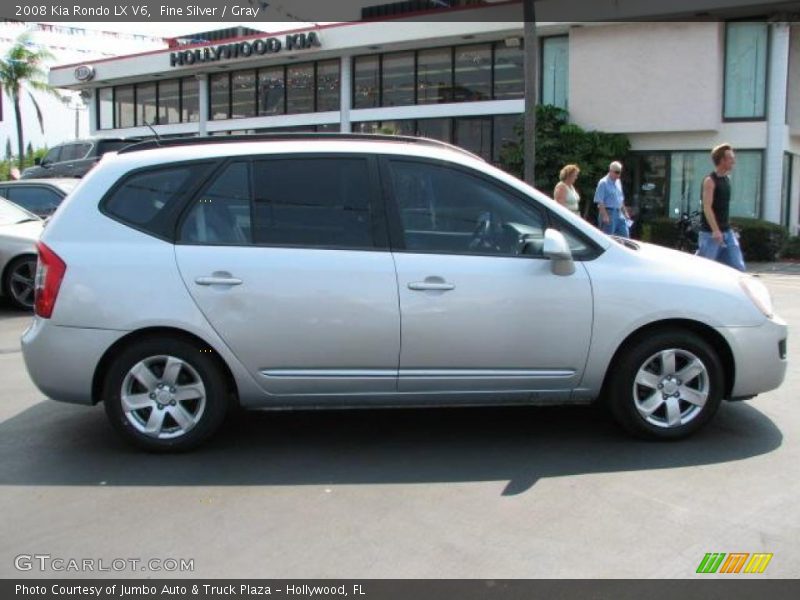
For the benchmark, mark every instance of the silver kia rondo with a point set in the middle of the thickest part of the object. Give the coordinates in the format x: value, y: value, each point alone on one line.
x: 185, y: 277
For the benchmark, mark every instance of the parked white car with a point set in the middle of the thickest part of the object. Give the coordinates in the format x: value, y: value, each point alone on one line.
x: 331, y: 271
x: 19, y: 231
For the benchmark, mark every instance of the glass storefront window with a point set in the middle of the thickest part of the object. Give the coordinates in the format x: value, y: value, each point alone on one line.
x: 555, y: 71
x: 190, y: 100
x: 688, y: 169
x: 366, y: 81
x: 145, y: 103
x: 300, y: 88
x: 473, y: 73
x: 125, y: 113
x: 505, y: 132
x: 169, y: 102
x: 398, y: 79
x: 474, y: 134
x: 508, y: 72
x: 434, y: 76
x: 436, y: 129
x: 399, y: 127
x: 271, y: 91
x: 105, y: 101
x: 366, y: 127
x: 746, y: 47
x: 219, y: 86
x: 243, y: 94
x: 328, y: 85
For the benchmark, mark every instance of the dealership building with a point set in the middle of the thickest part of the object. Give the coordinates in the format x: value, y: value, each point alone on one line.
x: 675, y: 88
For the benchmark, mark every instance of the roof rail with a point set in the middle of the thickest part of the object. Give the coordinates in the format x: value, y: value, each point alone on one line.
x: 288, y: 136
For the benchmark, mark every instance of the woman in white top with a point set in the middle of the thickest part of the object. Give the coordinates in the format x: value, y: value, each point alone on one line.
x: 565, y: 193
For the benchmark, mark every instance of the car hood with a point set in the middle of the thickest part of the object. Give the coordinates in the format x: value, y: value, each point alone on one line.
x: 29, y: 231
x: 689, y: 266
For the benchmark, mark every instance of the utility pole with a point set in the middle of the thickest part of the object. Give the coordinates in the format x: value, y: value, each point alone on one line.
x: 531, y: 68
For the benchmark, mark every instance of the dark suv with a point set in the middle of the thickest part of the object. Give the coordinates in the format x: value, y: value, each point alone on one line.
x: 74, y: 159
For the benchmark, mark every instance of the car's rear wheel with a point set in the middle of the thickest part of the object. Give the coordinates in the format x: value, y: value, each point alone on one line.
x: 18, y: 283
x: 666, y: 385
x: 165, y: 394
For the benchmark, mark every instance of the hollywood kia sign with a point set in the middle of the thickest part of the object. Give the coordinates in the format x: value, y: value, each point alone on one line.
x: 263, y: 46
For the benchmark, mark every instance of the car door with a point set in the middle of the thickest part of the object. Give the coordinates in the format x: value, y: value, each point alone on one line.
x: 477, y: 313
x: 72, y: 156
x: 287, y: 257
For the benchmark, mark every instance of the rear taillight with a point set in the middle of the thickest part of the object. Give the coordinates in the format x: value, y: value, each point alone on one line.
x: 49, y: 273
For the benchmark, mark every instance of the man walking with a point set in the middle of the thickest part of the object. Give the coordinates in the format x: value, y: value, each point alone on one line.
x: 612, y: 216
x: 717, y: 240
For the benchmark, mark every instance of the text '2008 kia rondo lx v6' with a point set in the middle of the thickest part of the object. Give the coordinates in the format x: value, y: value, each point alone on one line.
x: 350, y: 271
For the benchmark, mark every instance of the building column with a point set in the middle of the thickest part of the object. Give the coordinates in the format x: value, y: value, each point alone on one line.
x: 202, y: 95
x: 778, y: 71
x: 89, y: 98
x: 345, y: 95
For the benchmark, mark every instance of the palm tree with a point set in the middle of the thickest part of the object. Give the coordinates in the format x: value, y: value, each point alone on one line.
x: 21, y: 69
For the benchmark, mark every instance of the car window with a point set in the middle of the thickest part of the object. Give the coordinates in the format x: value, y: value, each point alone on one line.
x: 74, y: 151
x: 37, y: 199
x: 448, y: 210
x: 111, y: 146
x: 52, y: 155
x: 220, y: 214
x: 322, y: 202
x: 145, y: 195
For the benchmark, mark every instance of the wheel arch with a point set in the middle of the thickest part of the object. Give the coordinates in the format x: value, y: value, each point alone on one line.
x: 149, y: 332
x: 706, y: 332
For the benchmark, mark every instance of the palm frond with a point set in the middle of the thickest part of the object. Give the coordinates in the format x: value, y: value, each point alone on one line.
x: 39, y: 114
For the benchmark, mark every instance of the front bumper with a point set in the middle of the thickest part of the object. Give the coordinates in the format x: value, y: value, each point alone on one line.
x: 759, y: 355
x: 62, y: 360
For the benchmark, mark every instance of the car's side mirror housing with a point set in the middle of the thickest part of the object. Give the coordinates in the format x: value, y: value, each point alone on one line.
x: 556, y: 248
x: 37, y: 161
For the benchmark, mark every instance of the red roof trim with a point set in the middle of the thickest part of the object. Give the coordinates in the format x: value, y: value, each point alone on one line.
x: 287, y: 31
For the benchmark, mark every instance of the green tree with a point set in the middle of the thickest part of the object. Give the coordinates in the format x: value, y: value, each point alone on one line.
x: 558, y: 143
x: 22, y: 71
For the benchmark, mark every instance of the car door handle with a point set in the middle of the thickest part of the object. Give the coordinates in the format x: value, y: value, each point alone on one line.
x: 217, y: 281
x: 431, y: 285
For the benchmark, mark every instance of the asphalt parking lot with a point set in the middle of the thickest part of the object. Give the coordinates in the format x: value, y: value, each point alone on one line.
x: 466, y: 493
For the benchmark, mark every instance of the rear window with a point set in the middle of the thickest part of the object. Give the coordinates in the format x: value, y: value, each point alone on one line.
x: 145, y: 196
x: 104, y: 146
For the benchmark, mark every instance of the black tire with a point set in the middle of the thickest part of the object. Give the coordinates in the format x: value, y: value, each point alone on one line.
x: 621, y: 396
x: 198, y: 365
x: 21, y: 265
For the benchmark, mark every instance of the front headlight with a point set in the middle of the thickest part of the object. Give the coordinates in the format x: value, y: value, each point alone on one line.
x: 758, y: 294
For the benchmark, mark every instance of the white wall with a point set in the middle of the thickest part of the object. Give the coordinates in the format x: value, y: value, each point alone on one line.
x: 646, y: 77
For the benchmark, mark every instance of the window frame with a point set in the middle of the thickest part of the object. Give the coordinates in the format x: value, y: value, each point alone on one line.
x: 167, y: 230
x: 542, y: 42
x: 395, y: 223
x: 375, y: 201
x: 768, y: 59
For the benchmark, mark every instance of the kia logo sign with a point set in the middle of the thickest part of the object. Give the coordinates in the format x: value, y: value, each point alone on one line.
x: 84, y: 73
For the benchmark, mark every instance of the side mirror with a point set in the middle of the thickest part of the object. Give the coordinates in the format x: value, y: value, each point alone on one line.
x: 557, y: 250
x: 37, y: 161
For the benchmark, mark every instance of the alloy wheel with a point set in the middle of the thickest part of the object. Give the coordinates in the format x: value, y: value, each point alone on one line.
x: 163, y: 397
x: 671, y: 388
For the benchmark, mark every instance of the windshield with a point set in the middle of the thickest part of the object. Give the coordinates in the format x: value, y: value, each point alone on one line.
x: 10, y: 213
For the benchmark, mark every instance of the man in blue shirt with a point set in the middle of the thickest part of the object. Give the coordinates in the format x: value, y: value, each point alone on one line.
x: 612, y: 216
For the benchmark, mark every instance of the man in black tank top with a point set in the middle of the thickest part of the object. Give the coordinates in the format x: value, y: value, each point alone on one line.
x: 717, y: 240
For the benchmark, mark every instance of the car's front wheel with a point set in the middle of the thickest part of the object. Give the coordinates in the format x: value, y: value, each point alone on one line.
x: 666, y: 385
x: 165, y: 394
